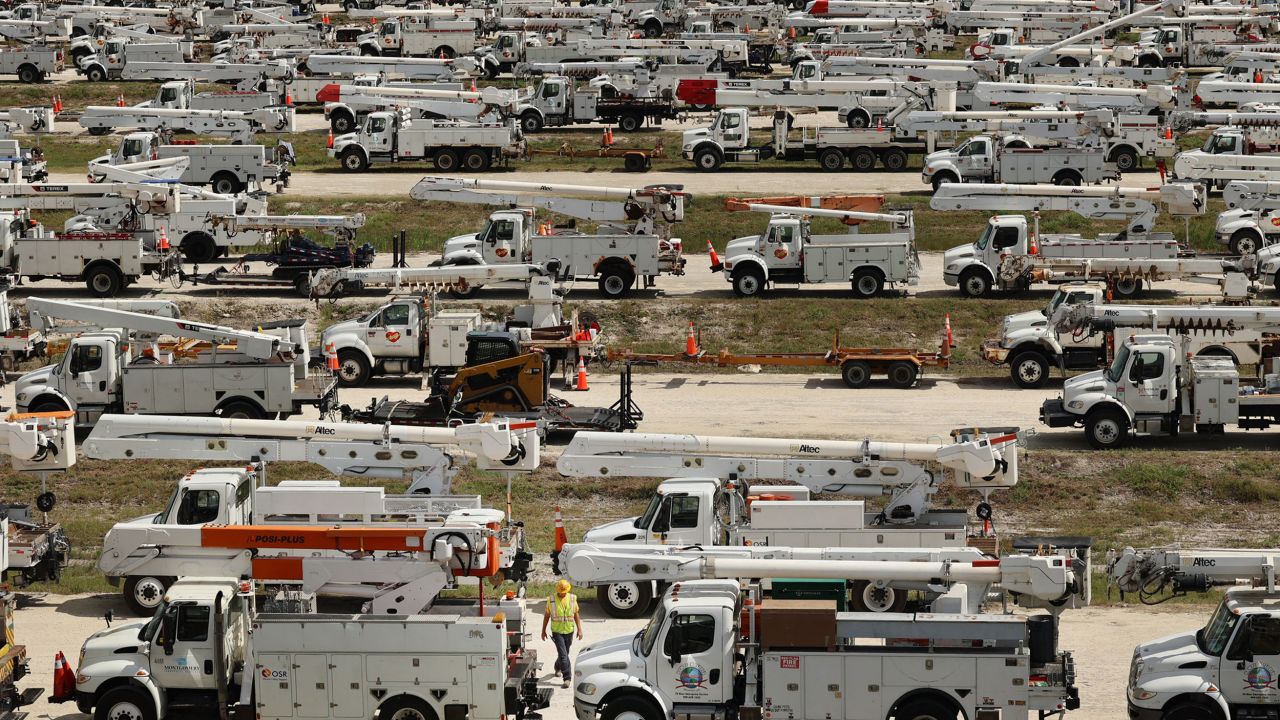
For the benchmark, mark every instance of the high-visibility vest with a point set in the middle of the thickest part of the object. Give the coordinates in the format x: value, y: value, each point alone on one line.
x: 562, y: 612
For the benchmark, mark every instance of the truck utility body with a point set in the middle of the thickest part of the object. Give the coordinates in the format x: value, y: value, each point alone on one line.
x: 420, y: 36
x: 449, y: 146
x: 31, y: 64
x: 113, y: 55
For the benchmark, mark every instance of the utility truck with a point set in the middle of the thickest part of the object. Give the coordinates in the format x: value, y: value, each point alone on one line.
x: 630, y: 247
x: 113, y: 55
x: 556, y: 101
x: 243, y: 374
x: 224, y: 169
x: 30, y: 63
x: 1154, y: 387
x: 788, y: 252
x: 1079, y: 330
x: 1251, y: 221
x: 148, y: 553
x: 346, y: 106
x: 713, y: 646
x: 1218, y: 670
x: 420, y: 36
x: 1012, y: 254
x: 709, y: 499
x: 1242, y: 150
x: 1197, y: 41
x: 450, y: 146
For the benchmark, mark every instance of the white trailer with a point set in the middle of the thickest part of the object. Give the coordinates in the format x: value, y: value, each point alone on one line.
x: 392, y: 137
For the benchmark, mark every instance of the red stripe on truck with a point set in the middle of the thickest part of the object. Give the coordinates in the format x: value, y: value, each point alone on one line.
x: 697, y: 91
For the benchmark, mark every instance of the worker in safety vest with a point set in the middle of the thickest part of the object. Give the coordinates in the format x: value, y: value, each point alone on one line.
x: 562, y: 615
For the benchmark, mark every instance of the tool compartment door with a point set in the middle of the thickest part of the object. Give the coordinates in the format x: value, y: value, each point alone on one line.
x: 784, y: 684
x: 487, y: 682
x: 346, y: 686
x: 909, y: 672
x: 825, y: 264
x: 862, y: 695
x: 311, y: 673
x: 274, y: 689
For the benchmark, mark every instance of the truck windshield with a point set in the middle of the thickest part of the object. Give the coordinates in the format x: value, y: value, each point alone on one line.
x: 1212, y: 638
x: 164, y: 515
x: 647, y: 518
x: 1054, y: 302
x: 649, y: 635
x: 1116, y: 371
x: 985, y: 237
x: 132, y: 147
x: 149, y: 630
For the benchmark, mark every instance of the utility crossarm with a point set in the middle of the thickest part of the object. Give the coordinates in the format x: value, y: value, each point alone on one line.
x: 157, y: 199
x: 1159, y: 574
x: 237, y: 124
x: 1067, y: 125
x: 1252, y: 195
x: 409, y: 68
x: 336, y: 282
x: 27, y: 120
x: 386, y: 452
x: 1137, y: 206
x: 1081, y: 96
x: 260, y: 346
x: 1090, y: 318
x: 1048, y: 579
x: 1046, y: 53
x: 982, y: 462
x: 646, y: 211
x: 207, y: 72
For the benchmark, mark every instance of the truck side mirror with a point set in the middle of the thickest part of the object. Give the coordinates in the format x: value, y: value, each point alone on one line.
x: 168, y: 625
x: 675, y: 640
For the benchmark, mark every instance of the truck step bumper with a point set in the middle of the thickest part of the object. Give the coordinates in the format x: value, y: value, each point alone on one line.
x: 1053, y: 414
x: 993, y: 353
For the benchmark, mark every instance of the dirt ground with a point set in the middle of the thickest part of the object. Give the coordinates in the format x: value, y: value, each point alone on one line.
x: 1102, y: 640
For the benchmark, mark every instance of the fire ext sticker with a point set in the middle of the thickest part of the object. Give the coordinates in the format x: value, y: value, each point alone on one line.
x: 789, y: 662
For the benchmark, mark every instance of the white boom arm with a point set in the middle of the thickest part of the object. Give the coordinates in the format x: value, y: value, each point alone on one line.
x: 864, y: 468
x: 357, y: 449
x: 31, y: 120
x: 39, y: 442
x: 335, y: 282
x: 407, y: 68
x: 1259, y: 195
x: 892, y: 218
x: 451, y: 104
x: 253, y: 344
x: 233, y: 123
x: 1198, y: 318
x: 66, y: 326
x: 1138, y: 206
x: 1048, y: 124
x: 1041, y: 54
x: 1155, y: 571
x: 1089, y: 96
x: 157, y: 199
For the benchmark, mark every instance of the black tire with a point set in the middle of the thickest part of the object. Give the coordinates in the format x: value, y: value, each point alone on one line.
x: 48, y: 406
x: 856, y: 373
x: 653, y: 29
x: 96, y: 74
x: 831, y: 159
x: 1244, y: 242
x: 633, y: 706
x: 353, y: 160
x: 894, y: 159
x: 631, y: 122
x: 125, y: 703
x: 342, y: 123
x: 1067, y: 178
x: 1126, y: 159
x: 1127, y: 288
x: 867, y: 283
x: 198, y: 247
x: 28, y: 74
x: 926, y: 709
x: 445, y: 160
x: 144, y: 593
x: 475, y: 160
x: 625, y: 600
x: 903, y: 374
x: 858, y: 119
x: 353, y: 368
x: 1192, y: 711
x: 103, y: 281
x: 866, y: 597
x: 975, y: 283
x: 863, y: 160
x: 405, y: 707
x: 707, y: 159
x: 241, y: 410
x: 99, y: 131
x: 224, y: 183
x: 1106, y: 429
x: 616, y: 281
x: 942, y: 179
x: 748, y: 283
x: 531, y: 122
x: 635, y: 162
x: 1029, y: 369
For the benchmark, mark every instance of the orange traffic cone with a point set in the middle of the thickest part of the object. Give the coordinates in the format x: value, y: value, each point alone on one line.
x: 164, y: 240
x: 329, y: 143
x: 64, y: 679
x: 332, y: 357
x: 120, y: 101
x: 691, y: 343
x: 57, y: 104
x: 950, y: 339
x: 561, y: 538
x: 604, y: 138
x: 582, y: 374
x: 716, y: 265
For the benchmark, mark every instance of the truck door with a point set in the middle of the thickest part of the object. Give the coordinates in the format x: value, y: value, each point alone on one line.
x: 732, y: 131
x: 552, y: 96
x: 378, y: 132
x: 1247, y: 673
x: 1225, y: 144
x: 499, y: 244
x: 170, y: 96
x: 391, y: 331
x: 690, y: 663
x: 1171, y: 43
x: 974, y: 158
x: 782, y: 245
x: 676, y: 522
x: 90, y: 372
x: 1146, y: 386
x: 390, y: 35
x: 183, y: 656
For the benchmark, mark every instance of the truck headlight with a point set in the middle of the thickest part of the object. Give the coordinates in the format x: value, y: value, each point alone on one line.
x: 1140, y: 694
x: 1076, y: 404
x: 586, y: 688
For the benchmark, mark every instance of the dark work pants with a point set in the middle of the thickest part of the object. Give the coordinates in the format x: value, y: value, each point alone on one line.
x: 563, y: 664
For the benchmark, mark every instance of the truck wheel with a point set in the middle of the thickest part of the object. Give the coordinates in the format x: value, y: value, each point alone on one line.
x: 653, y: 29
x: 1067, y: 178
x: 1126, y: 159
x: 631, y: 708
x: 867, y: 283
x: 942, y: 179
x: 635, y: 162
x: 445, y: 161
x: 475, y: 160
x: 99, y: 131
x: 1127, y: 288
x: 1106, y: 429
x: 894, y: 159
x: 864, y: 160
x: 446, y: 52
x: 974, y: 283
x: 926, y: 709
x: 625, y: 599
x: 144, y: 593
x: 241, y: 410
x: 708, y: 159
x: 866, y: 597
x: 224, y: 183
x: 902, y: 374
x: 353, y: 368
x: 748, y: 283
x: 1243, y: 242
x: 103, y: 281
x: 404, y: 707
x: 354, y: 161
x: 630, y: 122
x: 858, y: 119
x: 124, y: 703
x: 831, y: 160
x: 1029, y: 369
x: 615, y: 282
x: 856, y: 373
x: 48, y: 406
x: 28, y: 74
x: 96, y: 74
x: 342, y: 123
x: 530, y: 122
x: 1192, y: 711
x: 198, y: 247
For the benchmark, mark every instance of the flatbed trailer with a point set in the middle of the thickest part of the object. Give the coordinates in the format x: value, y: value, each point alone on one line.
x: 902, y: 366
x: 634, y: 159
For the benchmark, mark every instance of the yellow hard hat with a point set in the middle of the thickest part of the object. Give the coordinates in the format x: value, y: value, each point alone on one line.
x: 563, y: 587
